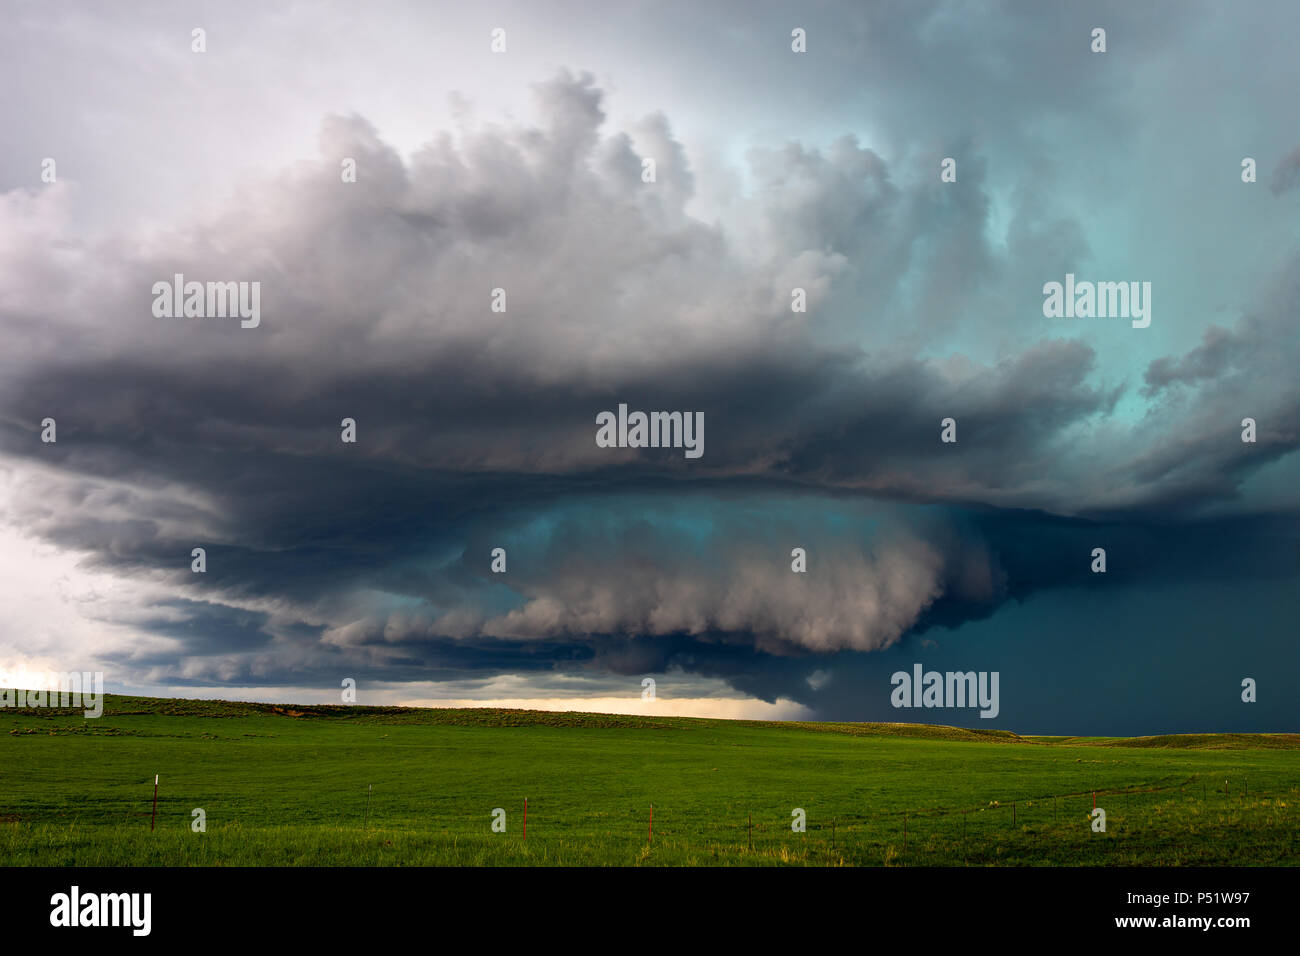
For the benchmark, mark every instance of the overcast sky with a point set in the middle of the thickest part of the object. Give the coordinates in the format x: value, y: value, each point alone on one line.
x: 476, y: 429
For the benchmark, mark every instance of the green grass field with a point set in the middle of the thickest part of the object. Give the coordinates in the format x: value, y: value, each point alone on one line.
x: 288, y: 786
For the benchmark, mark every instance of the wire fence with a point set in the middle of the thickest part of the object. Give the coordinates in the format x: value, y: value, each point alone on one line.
x: 1258, y: 813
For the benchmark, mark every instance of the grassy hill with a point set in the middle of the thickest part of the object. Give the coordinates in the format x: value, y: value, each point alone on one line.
x: 322, y: 785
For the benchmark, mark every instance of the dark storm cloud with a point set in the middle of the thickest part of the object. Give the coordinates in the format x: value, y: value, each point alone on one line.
x: 376, y: 294
x: 1219, y: 352
x: 1212, y: 389
x: 476, y: 429
x: 205, y: 629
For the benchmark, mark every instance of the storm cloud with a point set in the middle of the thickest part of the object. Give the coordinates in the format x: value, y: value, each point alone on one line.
x: 476, y: 427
